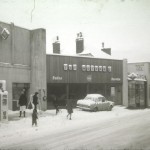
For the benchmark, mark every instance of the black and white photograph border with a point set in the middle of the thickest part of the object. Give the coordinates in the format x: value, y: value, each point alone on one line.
x: 74, y: 74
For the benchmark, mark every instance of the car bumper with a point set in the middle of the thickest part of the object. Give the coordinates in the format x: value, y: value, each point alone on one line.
x: 85, y: 108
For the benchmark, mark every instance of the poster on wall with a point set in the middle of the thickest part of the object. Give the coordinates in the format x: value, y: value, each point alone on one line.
x: 112, y: 91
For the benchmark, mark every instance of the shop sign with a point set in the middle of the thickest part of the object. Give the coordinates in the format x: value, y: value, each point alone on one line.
x: 74, y: 67
x: 96, y: 68
x: 70, y: 67
x: 109, y: 68
x: 5, y: 33
x: 89, y: 78
x: 140, y: 67
x: 83, y: 68
x: 57, y: 78
x: 100, y: 68
x: 104, y: 68
x: 115, y: 79
x: 88, y: 68
x: 92, y: 68
x: 65, y: 66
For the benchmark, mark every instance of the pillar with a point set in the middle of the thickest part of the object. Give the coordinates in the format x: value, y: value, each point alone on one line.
x: 38, y: 65
x: 125, y: 83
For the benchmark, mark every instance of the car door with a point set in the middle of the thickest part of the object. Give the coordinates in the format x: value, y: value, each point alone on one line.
x: 99, y: 103
x: 104, y: 104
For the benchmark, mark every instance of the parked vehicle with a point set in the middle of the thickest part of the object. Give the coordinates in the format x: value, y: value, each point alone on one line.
x: 95, y: 102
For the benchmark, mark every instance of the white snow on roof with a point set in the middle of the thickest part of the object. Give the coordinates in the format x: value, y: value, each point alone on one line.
x: 87, y: 52
x: 95, y: 95
x: 137, y: 79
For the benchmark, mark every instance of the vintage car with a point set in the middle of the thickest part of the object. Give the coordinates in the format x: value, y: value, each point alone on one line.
x: 95, y: 102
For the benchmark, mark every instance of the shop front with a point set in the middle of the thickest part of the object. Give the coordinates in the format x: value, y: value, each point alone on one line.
x: 23, y: 63
x: 16, y: 90
x: 73, y: 77
x: 137, y: 91
x: 139, y: 84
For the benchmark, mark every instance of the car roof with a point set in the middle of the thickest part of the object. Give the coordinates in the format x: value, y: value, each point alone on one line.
x: 95, y: 95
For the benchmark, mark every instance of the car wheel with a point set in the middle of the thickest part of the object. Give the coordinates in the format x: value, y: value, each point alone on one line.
x: 110, y: 107
x: 95, y: 109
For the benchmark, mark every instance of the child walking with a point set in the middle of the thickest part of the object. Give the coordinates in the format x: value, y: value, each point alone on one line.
x: 34, y: 117
x: 69, y: 108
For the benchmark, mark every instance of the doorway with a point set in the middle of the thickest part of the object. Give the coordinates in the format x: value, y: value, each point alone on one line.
x: 16, y: 91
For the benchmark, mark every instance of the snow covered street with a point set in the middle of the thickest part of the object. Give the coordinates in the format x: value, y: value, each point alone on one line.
x: 18, y: 130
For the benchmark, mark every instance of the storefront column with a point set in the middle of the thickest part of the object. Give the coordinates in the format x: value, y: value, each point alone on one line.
x: 87, y: 88
x: 125, y: 84
x: 67, y: 91
x: 12, y: 42
x: 38, y: 66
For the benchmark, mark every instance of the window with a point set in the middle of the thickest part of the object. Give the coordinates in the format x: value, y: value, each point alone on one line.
x: 99, y: 99
x: 17, y: 88
x: 103, y: 99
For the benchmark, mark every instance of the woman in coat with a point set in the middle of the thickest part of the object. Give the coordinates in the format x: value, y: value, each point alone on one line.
x: 69, y: 107
x: 35, y: 100
x: 23, y: 102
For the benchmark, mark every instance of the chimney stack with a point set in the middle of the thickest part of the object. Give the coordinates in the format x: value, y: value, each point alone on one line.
x: 106, y: 50
x: 79, y: 43
x: 56, y: 46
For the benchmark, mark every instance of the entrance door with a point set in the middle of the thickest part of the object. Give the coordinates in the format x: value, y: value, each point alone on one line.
x: 137, y: 95
x: 16, y: 91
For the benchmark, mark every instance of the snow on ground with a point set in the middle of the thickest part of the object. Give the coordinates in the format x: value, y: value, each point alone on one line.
x: 17, y: 129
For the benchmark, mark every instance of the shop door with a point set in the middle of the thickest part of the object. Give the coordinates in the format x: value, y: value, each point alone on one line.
x: 16, y: 91
x: 137, y: 95
x: 142, y: 96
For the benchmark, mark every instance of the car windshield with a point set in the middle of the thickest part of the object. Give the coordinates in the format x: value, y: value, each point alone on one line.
x: 90, y: 98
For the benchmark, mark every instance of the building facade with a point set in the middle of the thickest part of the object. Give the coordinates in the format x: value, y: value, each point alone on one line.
x: 140, y: 85
x: 72, y: 77
x: 23, y: 62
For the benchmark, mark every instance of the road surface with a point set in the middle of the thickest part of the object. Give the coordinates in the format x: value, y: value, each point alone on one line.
x: 128, y: 132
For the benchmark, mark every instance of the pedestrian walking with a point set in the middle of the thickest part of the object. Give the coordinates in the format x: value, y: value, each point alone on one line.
x: 55, y: 103
x: 35, y: 100
x: 23, y: 103
x: 69, y: 107
x: 34, y: 117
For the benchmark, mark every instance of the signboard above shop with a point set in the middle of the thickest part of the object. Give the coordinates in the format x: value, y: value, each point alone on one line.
x: 69, y: 69
x: 96, y: 68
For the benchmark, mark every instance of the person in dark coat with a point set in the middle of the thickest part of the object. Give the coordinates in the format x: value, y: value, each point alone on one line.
x: 55, y: 103
x: 69, y: 107
x: 34, y: 117
x: 23, y: 103
x: 35, y: 100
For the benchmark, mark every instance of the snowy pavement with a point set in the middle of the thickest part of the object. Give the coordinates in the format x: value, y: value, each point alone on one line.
x: 18, y: 129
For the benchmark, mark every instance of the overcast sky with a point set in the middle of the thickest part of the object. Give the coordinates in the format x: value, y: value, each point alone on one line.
x: 123, y: 25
